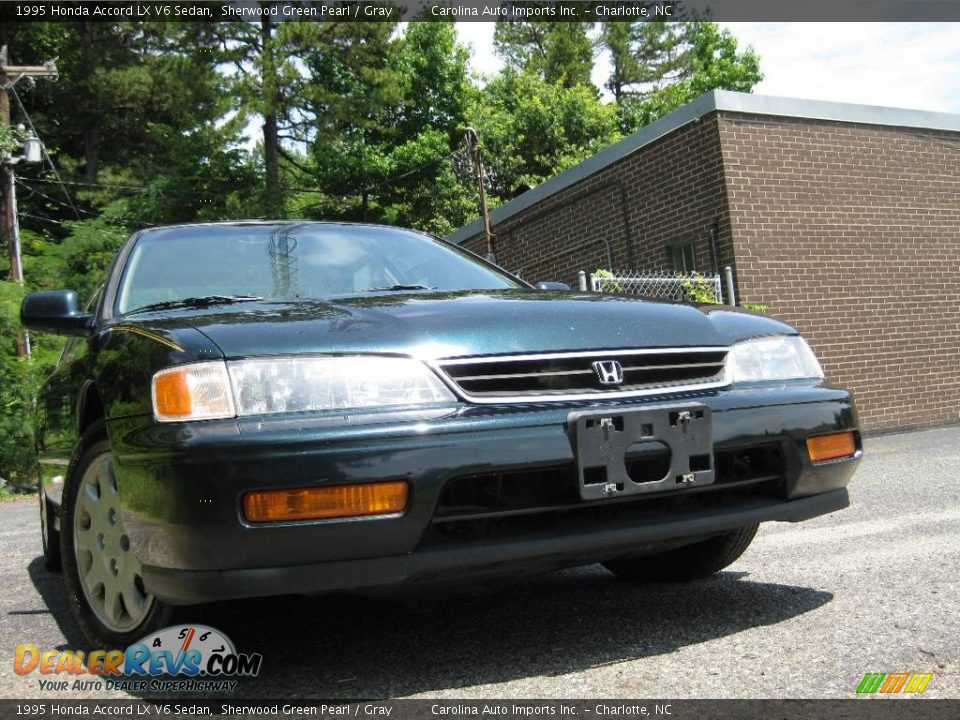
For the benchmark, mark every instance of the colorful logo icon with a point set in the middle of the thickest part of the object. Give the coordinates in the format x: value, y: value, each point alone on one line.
x: 892, y: 683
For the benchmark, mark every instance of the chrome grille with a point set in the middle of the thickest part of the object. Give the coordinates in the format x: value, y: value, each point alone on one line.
x: 555, y: 376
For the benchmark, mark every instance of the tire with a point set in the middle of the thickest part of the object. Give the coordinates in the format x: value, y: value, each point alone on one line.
x: 49, y: 535
x: 690, y: 562
x: 101, y: 571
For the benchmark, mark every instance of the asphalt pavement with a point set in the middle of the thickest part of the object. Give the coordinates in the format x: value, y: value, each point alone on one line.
x: 804, y: 613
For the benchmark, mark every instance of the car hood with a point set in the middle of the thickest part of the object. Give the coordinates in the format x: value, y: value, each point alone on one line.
x: 458, y: 324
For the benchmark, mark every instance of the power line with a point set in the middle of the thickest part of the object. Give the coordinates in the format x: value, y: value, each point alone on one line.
x: 386, y: 181
x: 43, y: 147
x: 40, y: 218
x: 408, y: 173
x: 92, y: 185
x: 34, y: 191
x: 110, y: 220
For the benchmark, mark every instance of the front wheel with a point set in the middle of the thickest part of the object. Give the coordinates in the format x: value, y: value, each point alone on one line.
x: 102, y: 573
x: 690, y: 562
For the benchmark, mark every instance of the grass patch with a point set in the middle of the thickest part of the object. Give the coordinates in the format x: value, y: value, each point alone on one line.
x: 8, y: 496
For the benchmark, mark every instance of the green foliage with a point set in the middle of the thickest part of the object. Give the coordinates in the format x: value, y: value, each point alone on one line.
x: 698, y: 289
x: 642, y: 54
x: 756, y: 307
x: 532, y: 130
x: 556, y: 52
x: 6, y: 495
x: 606, y: 274
x: 18, y: 381
x: 437, y: 68
x: 393, y: 109
x: 80, y: 261
x: 659, y: 66
x: 11, y: 139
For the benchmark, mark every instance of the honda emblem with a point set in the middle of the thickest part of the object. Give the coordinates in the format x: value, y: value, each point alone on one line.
x: 608, y: 371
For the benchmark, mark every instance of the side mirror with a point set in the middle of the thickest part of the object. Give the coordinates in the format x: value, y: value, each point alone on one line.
x: 55, y: 311
x: 550, y: 285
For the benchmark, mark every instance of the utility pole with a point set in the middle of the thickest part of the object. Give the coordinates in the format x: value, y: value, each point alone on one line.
x: 473, y: 150
x: 9, y: 75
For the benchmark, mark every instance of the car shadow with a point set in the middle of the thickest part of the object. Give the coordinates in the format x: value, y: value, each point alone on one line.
x: 343, y: 646
x: 51, y: 587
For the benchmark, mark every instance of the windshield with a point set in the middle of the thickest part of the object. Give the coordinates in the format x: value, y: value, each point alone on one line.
x: 293, y: 261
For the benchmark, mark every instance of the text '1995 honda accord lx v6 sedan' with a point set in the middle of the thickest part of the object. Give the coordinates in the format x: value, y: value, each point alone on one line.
x: 262, y: 408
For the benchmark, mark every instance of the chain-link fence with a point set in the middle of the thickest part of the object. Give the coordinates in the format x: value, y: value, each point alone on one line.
x: 656, y: 286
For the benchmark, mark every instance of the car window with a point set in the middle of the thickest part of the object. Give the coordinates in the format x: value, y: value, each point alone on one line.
x: 293, y: 260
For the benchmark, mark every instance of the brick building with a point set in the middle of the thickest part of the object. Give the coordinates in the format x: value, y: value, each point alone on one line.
x: 843, y: 219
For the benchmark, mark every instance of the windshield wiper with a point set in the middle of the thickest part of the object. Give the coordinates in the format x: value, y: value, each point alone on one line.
x: 196, y: 302
x: 396, y: 288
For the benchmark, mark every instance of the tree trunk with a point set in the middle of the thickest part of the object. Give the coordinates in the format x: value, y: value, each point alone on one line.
x: 91, y: 128
x: 270, y: 157
x: 271, y: 147
x: 91, y: 141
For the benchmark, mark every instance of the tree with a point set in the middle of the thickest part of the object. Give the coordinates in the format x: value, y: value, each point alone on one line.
x: 269, y: 108
x: 258, y: 68
x: 657, y: 66
x: 119, y: 83
x: 101, y: 79
x: 438, y: 69
x: 137, y: 105
x: 642, y: 54
x: 557, y: 52
x: 423, y: 190
x: 17, y: 457
x: 532, y: 130
x: 80, y: 261
x: 351, y: 113
x: 388, y: 112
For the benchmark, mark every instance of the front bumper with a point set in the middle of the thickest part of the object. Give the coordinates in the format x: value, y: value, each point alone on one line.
x: 182, y: 485
x: 472, y: 562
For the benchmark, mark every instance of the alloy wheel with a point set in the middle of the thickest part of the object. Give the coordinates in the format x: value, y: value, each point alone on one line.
x: 109, y: 571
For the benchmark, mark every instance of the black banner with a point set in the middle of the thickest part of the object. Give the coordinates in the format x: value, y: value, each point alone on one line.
x: 865, y: 708
x: 482, y: 10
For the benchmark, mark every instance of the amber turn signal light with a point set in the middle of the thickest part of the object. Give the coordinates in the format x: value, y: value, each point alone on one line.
x: 321, y: 503
x: 199, y: 391
x: 172, y: 395
x: 831, y: 447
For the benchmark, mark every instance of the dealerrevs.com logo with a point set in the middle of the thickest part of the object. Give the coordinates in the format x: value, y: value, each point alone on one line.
x: 180, y: 657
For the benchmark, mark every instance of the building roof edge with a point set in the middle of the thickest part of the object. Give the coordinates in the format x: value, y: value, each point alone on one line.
x: 715, y: 100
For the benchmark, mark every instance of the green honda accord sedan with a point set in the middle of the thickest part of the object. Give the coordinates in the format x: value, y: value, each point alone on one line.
x: 261, y: 408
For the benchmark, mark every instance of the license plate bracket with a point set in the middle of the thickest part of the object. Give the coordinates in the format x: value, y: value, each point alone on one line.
x: 601, y: 439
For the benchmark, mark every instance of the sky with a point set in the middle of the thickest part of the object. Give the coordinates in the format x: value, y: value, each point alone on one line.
x: 907, y: 65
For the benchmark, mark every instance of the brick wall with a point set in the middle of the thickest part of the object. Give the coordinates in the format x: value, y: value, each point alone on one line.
x: 852, y: 233
x: 670, y: 191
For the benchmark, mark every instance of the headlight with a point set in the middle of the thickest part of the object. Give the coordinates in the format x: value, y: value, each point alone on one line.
x: 779, y: 357
x: 293, y: 384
